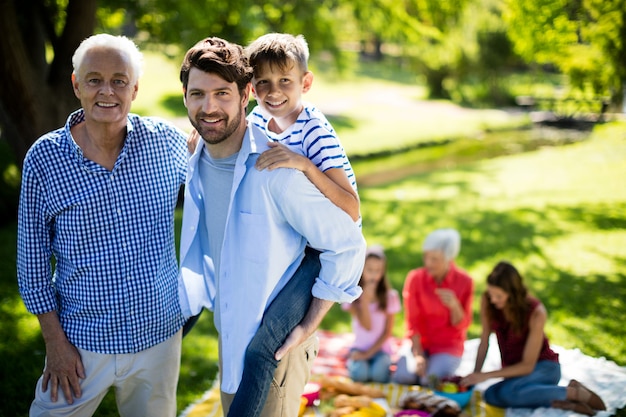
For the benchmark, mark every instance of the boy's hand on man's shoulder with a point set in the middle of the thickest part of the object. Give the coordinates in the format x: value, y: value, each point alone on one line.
x: 280, y: 156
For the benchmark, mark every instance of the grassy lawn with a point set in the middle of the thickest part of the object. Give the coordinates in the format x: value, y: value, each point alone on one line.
x: 557, y: 212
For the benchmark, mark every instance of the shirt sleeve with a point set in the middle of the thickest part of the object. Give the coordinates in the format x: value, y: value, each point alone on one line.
x: 328, y: 229
x: 177, y: 140
x: 34, y: 246
x: 322, y: 145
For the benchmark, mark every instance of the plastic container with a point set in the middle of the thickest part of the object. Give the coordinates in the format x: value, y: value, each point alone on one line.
x: 311, y: 393
x: 461, y: 398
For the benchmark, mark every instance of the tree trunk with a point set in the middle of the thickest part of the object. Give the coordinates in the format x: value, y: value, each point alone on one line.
x: 35, y: 100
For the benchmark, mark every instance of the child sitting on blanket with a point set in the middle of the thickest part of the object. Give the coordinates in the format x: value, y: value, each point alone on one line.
x: 372, y: 321
x: 530, y: 368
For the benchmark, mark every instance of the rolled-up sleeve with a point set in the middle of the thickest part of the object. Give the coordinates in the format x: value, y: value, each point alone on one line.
x: 330, y: 230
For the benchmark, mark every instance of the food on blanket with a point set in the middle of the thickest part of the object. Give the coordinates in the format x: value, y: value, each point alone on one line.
x: 341, y: 412
x: 449, y: 387
x: 434, y: 404
x: 370, y: 410
x: 343, y: 385
x: 450, y: 384
x: 373, y: 410
x: 358, y: 401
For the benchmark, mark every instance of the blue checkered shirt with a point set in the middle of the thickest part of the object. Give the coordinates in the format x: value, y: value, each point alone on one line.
x: 97, y: 246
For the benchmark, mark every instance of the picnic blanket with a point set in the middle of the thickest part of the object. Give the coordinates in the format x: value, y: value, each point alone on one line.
x: 606, y: 378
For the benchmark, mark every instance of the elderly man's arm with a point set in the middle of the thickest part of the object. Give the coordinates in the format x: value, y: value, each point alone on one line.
x: 64, y: 367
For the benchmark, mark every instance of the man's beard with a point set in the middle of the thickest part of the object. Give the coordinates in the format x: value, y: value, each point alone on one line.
x: 215, y: 136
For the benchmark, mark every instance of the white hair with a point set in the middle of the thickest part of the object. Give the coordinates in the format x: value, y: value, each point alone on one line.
x: 447, y: 241
x: 118, y: 43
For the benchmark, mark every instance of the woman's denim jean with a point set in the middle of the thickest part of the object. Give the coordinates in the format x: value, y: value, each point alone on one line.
x: 537, y: 389
x: 284, y: 313
x: 374, y: 369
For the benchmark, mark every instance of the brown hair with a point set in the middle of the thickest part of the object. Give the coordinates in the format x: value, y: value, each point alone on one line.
x: 383, y: 287
x: 507, y: 278
x: 217, y: 56
x: 280, y: 49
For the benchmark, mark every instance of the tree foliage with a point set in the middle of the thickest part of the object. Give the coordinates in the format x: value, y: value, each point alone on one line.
x: 35, y: 91
x: 585, y: 39
x: 443, y: 40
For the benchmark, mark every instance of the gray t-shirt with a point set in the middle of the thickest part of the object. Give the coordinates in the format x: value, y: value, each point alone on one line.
x: 216, y: 176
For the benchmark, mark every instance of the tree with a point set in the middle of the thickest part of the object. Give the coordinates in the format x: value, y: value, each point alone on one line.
x: 585, y: 39
x: 427, y: 32
x: 40, y: 36
x: 35, y: 93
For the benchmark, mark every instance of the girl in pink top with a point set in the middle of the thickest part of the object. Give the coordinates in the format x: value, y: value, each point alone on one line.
x: 372, y: 321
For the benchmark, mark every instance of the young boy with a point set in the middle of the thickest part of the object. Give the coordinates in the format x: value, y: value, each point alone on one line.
x: 302, y: 139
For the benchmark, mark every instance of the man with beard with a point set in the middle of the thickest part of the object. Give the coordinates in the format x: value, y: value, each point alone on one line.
x: 245, y: 231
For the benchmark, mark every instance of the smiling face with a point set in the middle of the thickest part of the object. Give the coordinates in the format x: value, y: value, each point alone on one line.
x: 497, y: 296
x: 216, y: 110
x: 279, y: 90
x: 105, y: 86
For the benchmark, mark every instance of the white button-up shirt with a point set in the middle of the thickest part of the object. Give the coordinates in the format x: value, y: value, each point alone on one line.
x: 272, y: 216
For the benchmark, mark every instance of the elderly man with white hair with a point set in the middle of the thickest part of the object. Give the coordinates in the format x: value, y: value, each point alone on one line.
x: 96, y: 260
x: 438, y: 311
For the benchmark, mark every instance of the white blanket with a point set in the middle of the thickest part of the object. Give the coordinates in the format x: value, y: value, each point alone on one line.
x: 604, y: 377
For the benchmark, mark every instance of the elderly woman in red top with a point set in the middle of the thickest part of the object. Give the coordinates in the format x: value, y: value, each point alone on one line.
x: 438, y: 311
x: 530, y: 368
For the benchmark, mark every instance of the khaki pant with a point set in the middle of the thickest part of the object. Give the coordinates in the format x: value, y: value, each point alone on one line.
x: 145, y: 383
x: 291, y: 376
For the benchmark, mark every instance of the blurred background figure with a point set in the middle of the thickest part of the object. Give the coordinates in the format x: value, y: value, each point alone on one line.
x: 372, y: 321
x: 438, y: 311
x: 530, y: 368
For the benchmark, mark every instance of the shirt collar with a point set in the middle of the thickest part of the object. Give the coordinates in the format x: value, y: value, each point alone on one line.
x: 77, y: 117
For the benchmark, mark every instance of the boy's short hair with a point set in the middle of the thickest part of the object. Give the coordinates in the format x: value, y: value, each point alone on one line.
x: 280, y: 49
x: 217, y: 56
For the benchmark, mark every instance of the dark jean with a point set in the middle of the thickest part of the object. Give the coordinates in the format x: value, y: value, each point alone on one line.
x: 537, y: 389
x: 283, y: 314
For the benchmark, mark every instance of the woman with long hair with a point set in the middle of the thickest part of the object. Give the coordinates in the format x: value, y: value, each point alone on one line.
x: 530, y: 368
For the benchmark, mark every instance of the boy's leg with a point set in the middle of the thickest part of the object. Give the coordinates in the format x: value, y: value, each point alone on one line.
x: 284, y: 313
x: 191, y: 321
